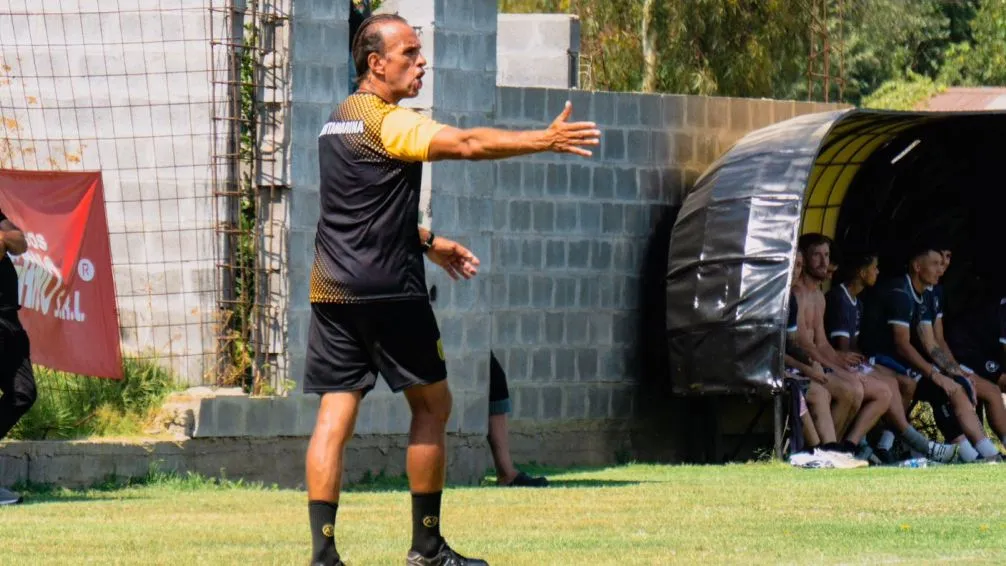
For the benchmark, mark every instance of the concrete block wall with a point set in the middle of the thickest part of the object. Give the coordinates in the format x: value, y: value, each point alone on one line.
x: 571, y: 238
x: 464, y: 95
x: 127, y: 88
x: 320, y: 79
x: 538, y: 50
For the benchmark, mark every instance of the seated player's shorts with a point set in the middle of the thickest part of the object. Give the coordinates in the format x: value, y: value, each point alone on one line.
x: 347, y: 345
x: 973, y: 362
x: 896, y: 366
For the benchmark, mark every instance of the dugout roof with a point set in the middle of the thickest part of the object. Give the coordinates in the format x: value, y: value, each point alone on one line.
x: 732, y: 244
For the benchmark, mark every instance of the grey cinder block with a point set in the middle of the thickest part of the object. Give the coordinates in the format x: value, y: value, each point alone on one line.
x: 604, y: 182
x: 590, y: 217
x: 555, y: 323
x: 519, y: 290
x: 531, y: 253
x: 565, y: 217
x: 541, y: 364
x: 586, y: 364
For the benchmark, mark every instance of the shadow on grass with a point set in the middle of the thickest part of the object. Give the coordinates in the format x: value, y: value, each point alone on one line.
x: 557, y: 478
x: 48, y: 493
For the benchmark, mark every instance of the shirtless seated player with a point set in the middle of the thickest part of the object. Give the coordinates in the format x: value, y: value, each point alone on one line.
x: 898, y: 332
x: 818, y: 427
x: 858, y: 401
x: 843, y: 317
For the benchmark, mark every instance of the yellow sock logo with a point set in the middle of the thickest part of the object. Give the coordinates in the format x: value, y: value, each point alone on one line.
x: 328, y: 531
x: 430, y: 521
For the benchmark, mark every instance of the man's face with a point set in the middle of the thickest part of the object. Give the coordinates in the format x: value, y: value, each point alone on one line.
x: 870, y: 273
x: 929, y: 267
x: 818, y: 261
x: 402, y: 66
x: 945, y: 256
x: 797, y: 265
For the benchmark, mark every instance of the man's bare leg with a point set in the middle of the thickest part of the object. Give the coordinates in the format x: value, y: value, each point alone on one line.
x: 876, y: 403
x: 964, y: 411
x: 991, y: 396
x: 819, y: 408
x: 426, y: 462
x: 332, y: 431
x: 897, y: 418
x: 846, y: 399
x: 810, y: 436
x: 499, y: 444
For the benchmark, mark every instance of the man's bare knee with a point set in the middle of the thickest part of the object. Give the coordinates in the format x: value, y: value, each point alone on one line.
x: 818, y: 396
x: 430, y: 403
x: 881, y: 392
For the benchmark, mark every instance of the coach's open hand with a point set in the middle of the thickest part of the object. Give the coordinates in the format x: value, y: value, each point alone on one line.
x: 454, y: 258
x: 566, y: 137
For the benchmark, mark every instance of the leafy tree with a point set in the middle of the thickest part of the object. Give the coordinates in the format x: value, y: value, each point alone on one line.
x: 982, y: 60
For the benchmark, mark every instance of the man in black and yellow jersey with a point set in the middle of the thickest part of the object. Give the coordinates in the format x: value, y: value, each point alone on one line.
x: 370, y: 308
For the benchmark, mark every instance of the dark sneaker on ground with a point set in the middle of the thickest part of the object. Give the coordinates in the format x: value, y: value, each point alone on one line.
x: 8, y: 497
x: 997, y: 459
x: 524, y: 480
x: 884, y: 455
x: 444, y: 557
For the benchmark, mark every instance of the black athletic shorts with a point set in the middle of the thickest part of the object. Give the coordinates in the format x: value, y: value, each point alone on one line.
x: 499, y: 393
x: 347, y: 345
x: 982, y: 366
x: 943, y: 412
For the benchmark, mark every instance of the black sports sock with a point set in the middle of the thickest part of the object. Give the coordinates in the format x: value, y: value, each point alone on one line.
x: 426, y: 523
x: 322, y: 515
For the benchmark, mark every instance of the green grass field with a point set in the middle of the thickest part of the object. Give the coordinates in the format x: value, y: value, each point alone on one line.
x: 638, y: 514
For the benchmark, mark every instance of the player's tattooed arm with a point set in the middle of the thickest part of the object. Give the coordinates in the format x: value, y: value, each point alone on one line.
x: 944, y: 361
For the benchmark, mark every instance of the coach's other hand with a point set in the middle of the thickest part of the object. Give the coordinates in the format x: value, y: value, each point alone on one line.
x: 567, y: 137
x: 457, y: 260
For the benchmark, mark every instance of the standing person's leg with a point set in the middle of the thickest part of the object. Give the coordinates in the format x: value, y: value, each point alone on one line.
x: 17, y: 385
x: 407, y: 349
x: 339, y: 369
x: 499, y: 436
x: 17, y: 381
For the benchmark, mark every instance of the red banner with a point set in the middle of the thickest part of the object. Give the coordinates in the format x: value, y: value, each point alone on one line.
x: 66, y: 289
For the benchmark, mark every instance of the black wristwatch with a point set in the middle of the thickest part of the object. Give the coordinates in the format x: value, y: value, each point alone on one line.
x: 429, y: 242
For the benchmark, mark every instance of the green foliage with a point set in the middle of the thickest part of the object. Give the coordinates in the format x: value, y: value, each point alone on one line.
x: 981, y: 61
x: 903, y: 94
x: 71, y: 406
x: 727, y: 48
x: 744, y: 48
x: 887, y: 39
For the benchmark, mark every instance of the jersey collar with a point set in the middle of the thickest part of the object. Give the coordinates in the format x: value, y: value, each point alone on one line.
x: 918, y: 298
x: 847, y: 293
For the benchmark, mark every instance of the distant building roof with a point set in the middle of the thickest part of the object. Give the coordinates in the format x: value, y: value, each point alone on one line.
x: 961, y: 99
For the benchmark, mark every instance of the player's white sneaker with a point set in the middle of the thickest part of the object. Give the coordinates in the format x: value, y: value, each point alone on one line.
x: 842, y: 460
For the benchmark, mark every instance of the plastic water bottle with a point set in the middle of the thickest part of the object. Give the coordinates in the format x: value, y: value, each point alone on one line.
x: 914, y: 463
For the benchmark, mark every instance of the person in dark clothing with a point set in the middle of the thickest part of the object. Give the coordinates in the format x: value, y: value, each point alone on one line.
x: 17, y: 383
x: 499, y: 442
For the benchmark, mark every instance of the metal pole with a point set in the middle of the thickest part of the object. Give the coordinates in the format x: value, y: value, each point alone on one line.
x: 777, y: 425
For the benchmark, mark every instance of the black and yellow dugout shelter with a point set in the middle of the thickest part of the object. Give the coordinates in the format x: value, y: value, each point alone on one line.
x: 872, y: 180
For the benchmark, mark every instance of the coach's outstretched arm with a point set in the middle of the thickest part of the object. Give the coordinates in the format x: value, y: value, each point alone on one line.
x: 562, y: 136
